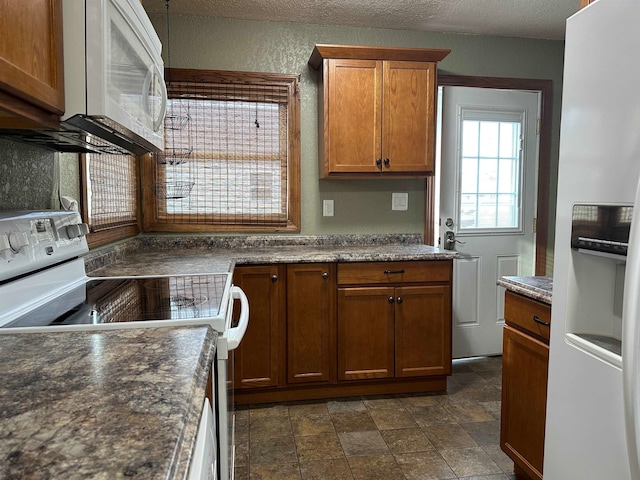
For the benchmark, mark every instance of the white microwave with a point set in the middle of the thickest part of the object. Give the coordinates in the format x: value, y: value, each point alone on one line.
x: 114, y: 73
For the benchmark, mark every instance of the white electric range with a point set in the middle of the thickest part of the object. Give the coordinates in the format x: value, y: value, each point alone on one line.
x: 43, y: 287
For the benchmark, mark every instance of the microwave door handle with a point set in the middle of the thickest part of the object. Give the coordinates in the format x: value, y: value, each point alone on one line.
x: 234, y: 335
x: 153, y: 71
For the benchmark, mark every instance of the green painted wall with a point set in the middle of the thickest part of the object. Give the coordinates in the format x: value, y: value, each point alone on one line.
x: 361, y: 206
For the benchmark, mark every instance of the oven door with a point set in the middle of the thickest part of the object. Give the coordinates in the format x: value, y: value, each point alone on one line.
x: 223, y: 387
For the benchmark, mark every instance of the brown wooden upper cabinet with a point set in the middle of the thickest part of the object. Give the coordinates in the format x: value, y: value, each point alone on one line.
x: 376, y: 110
x: 31, y: 65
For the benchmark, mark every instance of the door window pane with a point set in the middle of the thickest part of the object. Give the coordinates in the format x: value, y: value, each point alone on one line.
x: 490, y: 171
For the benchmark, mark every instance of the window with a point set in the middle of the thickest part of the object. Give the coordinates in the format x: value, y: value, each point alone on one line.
x: 490, y: 171
x: 232, y: 154
x: 111, y: 197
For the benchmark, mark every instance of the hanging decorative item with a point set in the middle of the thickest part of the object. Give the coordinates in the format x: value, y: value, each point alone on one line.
x: 172, y: 156
x: 172, y: 190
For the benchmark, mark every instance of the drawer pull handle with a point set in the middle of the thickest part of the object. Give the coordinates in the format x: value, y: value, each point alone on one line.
x: 537, y: 320
x: 389, y: 272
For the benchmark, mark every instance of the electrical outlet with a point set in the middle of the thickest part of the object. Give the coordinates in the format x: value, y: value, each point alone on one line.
x: 399, y: 201
x: 327, y: 208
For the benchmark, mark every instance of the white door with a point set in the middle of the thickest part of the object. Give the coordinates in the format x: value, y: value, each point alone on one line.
x: 487, y: 200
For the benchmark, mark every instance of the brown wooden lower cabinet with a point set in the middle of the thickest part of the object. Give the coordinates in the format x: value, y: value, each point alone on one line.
x: 525, y: 364
x: 423, y: 330
x: 366, y: 346
x: 311, y: 329
x: 260, y: 357
x: 315, y: 332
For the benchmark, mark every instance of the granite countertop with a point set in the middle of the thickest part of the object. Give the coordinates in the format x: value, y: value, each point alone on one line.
x: 537, y: 288
x: 192, y: 255
x: 109, y: 404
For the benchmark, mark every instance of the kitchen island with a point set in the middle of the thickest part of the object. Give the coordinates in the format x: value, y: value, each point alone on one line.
x: 102, y: 404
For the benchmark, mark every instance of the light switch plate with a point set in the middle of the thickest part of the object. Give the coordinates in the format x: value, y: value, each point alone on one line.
x: 399, y: 201
x: 327, y: 208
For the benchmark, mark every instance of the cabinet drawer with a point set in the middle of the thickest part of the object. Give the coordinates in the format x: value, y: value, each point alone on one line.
x: 394, y: 272
x: 522, y: 312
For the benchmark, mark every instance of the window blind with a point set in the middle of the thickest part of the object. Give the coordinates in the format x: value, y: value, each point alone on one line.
x: 112, y: 191
x: 231, y: 151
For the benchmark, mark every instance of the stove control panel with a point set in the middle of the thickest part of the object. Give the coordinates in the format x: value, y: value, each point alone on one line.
x: 30, y: 241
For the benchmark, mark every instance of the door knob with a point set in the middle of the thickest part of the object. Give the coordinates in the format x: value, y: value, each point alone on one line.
x: 450, y: 240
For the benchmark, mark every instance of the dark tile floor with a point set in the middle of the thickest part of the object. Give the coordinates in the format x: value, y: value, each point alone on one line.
x: 415, y: 437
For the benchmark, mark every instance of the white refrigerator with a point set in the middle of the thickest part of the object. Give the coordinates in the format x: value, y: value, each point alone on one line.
x: 592, y: 399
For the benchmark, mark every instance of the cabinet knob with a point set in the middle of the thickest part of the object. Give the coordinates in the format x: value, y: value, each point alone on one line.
x: 274, y: 278
x: 325, y: 275
x: 386, y: 162
x: 378, y: 162
x: 399, y: 300
x: 390, y: 299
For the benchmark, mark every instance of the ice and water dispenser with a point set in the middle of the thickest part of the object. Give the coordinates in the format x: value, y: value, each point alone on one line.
x: 599, y: 242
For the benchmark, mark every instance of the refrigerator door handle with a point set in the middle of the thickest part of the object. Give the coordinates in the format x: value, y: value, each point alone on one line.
x: 631, y: 343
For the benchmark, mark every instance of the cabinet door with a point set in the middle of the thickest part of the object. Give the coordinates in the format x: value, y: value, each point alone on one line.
x: 311, y: 329
x: 365, y: 333
x: 423, y: 331
x: 259, y: 359
x: 31, y: 60
x: 525, y: 363
x: 352, y: 116
x: 408, y: 129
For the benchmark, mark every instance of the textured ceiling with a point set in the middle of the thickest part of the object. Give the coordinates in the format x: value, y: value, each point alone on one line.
x: 513, y: 18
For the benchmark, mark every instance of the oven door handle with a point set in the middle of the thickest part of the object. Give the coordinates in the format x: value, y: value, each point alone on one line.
x: 235, y: 334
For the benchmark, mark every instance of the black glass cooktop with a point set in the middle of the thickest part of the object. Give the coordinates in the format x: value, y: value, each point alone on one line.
x: 131, y: 299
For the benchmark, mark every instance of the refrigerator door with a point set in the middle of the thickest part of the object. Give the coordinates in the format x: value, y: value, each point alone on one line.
x: 585, y: 436
x: 631, y: 344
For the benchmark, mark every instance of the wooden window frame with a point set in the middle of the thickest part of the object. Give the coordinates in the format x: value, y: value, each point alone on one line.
x: 108, y: 235
x: 149, y: 209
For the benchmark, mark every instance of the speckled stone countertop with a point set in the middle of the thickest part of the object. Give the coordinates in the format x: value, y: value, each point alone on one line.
x: 537, y: 288
x: 121, y: 403
x: 163, y: 255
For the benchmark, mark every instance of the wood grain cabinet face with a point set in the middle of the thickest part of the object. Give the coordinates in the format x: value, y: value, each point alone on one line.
x: 391, y: 326
x: 311, y: 323
x: 31, y: 65
x: 423, y: 330
x: 525, y: 364
x: 259, y: 359
x: 379, y: 117
x: 366, y: 333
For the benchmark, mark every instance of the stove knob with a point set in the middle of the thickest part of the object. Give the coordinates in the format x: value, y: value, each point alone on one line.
x: 78, y: 230
x: 18, y: 240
